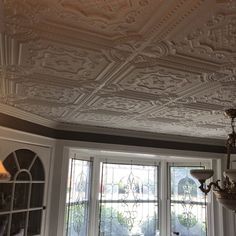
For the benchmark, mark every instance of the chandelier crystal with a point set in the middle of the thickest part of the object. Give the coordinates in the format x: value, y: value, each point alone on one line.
x: 226, y: 191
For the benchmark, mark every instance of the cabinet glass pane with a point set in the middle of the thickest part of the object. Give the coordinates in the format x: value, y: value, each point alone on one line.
x: 23, y: 176
x: 18, y: 223
x: 34, y: 226
x: 4, y: 219
x: 25, y: 158
x: 5, y: 196
x: 21, y: 196
x: 37, y: 170
x: 36, y: 196
x: 11, y: 165
x: 25, y: 191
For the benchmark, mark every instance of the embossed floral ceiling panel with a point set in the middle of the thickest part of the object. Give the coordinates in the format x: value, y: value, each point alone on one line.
x: 144, y: 65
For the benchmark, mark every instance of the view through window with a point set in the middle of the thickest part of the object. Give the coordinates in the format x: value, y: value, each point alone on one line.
x: 188, y: 208
x: 127, y: 200
x: 77, y: 201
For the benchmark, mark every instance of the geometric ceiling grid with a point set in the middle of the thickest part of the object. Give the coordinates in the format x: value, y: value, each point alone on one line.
x: 148, y: 65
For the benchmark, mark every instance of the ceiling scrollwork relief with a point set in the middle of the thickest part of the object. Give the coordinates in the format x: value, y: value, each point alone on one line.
x: 148, y: 65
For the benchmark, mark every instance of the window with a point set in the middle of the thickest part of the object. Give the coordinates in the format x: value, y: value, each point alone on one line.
x: 188, y: 207
x: 77, y: 201
x: 126, y: 199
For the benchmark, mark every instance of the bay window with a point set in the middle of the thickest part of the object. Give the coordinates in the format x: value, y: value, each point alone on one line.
x: 112, y: 197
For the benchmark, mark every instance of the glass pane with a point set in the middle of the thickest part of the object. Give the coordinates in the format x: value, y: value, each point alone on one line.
x: 188, y: 211
x: 129, y: 200
x: 34, y: 226
x: 25, y: 158
x: 21, y: 196
x: 5, y: 196
x: 10, y: 165
x: 188, y: 219
x: 128, y: 219
x: 77, y: 198
x: 129, y: 182
x: 4, y: 219
x: 77, y: 219
x: 36, y: 195
x: 183, y: 186
x: 18, y: 223
x: 37, y: 170
x: 23, y: 176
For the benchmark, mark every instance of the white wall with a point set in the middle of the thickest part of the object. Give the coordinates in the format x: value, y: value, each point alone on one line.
x: 56, y: 157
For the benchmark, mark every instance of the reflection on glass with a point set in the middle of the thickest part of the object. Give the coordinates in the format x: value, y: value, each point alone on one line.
x: 11, y: 165
x: 34, y: 225
x: 188, y: 209
x: 36, y: 198
x: 18, y: 223
x: 20, y: 200
x: 4, y: 219
x: 129, y: 200
x: 36, y: 174
x: 5, y: 196
x: 25, y: 158
x: 23, y: 176
x: 77, y: 198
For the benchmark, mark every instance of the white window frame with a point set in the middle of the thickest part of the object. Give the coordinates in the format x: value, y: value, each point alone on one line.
x: 207, y: 165
x: 164, y: 198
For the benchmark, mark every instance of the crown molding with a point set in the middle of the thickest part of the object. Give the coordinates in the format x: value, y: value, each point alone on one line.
x: 54, y: 126
x: 15, y: 112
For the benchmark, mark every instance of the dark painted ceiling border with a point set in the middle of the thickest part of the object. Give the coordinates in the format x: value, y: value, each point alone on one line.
x: 26, y: 126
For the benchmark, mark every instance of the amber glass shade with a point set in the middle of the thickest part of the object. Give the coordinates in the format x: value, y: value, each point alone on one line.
x: 4, y: 174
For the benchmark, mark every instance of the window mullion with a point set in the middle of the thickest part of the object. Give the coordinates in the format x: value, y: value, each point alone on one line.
x: 94, y: 205
x: 163, y: 180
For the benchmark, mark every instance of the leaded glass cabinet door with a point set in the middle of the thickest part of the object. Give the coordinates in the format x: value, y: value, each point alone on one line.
x: 21, y: 198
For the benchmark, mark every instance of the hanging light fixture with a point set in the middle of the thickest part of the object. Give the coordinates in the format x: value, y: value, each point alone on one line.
x: 226, y: 191
x: 4, y: 174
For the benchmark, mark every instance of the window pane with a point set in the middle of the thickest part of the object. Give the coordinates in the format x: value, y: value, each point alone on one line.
x: 188, y: 211
x: 129, y: 200
x: 77, y: 198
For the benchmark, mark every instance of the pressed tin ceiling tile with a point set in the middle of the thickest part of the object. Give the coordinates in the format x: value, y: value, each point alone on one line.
x: 145, y: 65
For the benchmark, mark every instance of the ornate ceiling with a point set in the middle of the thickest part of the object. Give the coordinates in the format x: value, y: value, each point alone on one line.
x: 162, y: 66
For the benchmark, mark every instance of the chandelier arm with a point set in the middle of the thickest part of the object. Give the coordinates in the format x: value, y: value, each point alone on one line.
x: 207, y: 188
x: 228, y: 156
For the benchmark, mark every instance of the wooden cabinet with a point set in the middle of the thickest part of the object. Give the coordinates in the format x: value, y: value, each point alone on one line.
x: 22, y: 198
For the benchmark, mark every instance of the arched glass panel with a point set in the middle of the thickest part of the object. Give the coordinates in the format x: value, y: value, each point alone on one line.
x: 23, y: 175
x: 25, y: 158
x: 22, y: 197
x: 37, y: 170
x: 11, y: 165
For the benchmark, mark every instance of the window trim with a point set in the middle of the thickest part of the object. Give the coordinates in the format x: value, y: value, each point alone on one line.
x: 209, y: 205
x: 164, y: 200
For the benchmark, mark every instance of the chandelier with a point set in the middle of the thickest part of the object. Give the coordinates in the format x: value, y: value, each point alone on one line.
x: 226, y: 191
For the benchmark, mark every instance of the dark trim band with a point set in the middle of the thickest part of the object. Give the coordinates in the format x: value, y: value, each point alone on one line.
x: 26, y: 126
